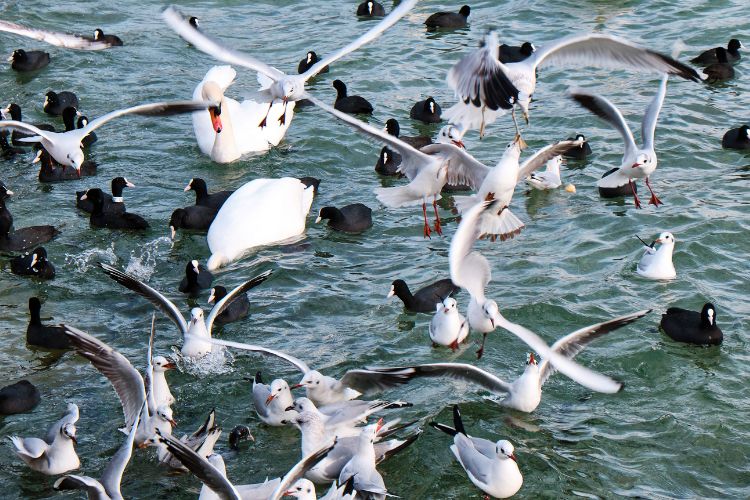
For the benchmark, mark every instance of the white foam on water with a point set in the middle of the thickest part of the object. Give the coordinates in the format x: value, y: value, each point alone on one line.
x: 142, y: 263
x: 86, y: 260
x: 218, y: 361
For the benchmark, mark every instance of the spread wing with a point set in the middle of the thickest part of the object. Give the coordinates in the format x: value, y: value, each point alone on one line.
x: 470, y: 270
x: 607, y: 111
x: 91, y: 486
x: 112, y: 475
x: 53, y: 38
x: 299, y: 364
x: 26, y: 127
x: 460, y: 371
x: 540, y: 158
x: 368, y: 382
x: 228, y: 298
x: 648, y: 125
x: 461, y: 166
x: 298, y: 470
x: 154, y: 109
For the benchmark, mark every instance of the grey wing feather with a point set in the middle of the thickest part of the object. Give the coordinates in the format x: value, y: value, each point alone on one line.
x: 462, y: 167
x: 26, y: 127
x: 53, y: 38
x: 228, y: 298
x: 648, y: 125
x: 540, y: 158
x: 367, y: 382
x: 608, y: 112
x: 573, y: 343
x: 298, y: 470
x: 474, y: 462
x: 469, y: 270
x: 152, y: 109
x: 112, y: 475
x: 70, y: 417
x: 94, y: 490
x: 460, y: 371
x: 299, y: 364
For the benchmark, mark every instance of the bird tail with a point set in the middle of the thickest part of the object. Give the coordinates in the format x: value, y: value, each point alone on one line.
x: 614, y: 180
x: 395, y: 197
x: 503, y: 225
x: 470, y: 117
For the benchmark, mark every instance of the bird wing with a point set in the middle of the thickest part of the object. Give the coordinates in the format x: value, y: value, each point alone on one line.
x: 298, y: 470
x: 157, y: 299
x: 149, y: 379
x: 112, y: 475
x: 540, y: 158
x: 474, y: 463
x: 93, y: 488
x: 26, y: 127
x: 607, y: 51
x: 154, y: 109
x: 369, y: 36
x: 460, y: 371
x: 469, y: 270
x: 480, y: 79
x: 413, y: 160
x: 367, y: 382
x: 70, y: 417
x: 201, y: 42
x: 648, y: 125
x: 220, y: 306
x: 573, y: 343
x: 298, y: 363
x: 125, y: 379
x: 203, y: 470
x: 607, y: 111
x: 461, y: 166
x: 53, y: 38
x: 30, y: 447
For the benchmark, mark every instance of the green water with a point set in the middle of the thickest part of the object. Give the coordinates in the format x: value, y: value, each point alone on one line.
x: 679, y: 429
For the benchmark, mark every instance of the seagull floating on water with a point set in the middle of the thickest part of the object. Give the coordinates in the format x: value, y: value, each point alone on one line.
x: 56, y: 453
x: 656, y: 263
x: 448, y: 327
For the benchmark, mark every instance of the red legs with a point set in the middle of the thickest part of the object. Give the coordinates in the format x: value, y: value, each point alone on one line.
x: 480, y: 352
x: 263, y: 122
x: 635, y: 195
x: 426, y: 224
x: 438, y: 229
x: 654, y: 200
x: 282, y: 118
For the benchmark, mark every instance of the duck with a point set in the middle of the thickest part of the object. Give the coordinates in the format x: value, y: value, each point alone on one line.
x: 393, y: 128
x: 737, y: 138
x: 710, y: 56
x: 195, y: 218
x: 6, y: 149
x: 426, y: 297
x: 56, y: 102
x: 111, y: 220
x: 352, y: 104
x: 721, y: 70
x: 449, y: 19
x: 231, y: 129
x: 202, y: 198
x: 39, y: 335
x: 28, y: 60
x: 692, y: 327
x: 196, y: 279
x: 51, y: 171
x: 261, y: 212
x: 13, y: 112
x: 112, y: 40
x: 21, y: 397
x: 112, y: 204
x: 510, y: 53
x: 69, y: 116
x: 354, y: 218
x: 388, y: 163
x: 34, y: 264
x: 370, y: 8
x: 235, y: 311
x: 579, y: 152
x: 309, y: 61
x: 656, y: 263
x: 427, y: 111
x: 20, y: 239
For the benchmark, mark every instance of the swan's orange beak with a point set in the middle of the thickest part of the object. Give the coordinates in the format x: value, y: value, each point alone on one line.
x: 215, y: 111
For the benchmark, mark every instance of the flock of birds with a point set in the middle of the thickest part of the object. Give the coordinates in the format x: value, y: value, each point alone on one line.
x: 336, y: 447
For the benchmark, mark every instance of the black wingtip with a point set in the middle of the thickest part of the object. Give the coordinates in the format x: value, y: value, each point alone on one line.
x: 457, y: 422
x: 680, y: 69
x: 258, y: 379
x: 444, y: 428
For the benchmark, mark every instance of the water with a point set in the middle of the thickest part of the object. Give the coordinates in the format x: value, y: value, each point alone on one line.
x: 679, y: 429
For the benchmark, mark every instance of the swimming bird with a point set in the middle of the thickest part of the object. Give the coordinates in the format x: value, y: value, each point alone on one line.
x: 427, y: 111
x: 656, y: 263
x: 39, y: 335
x: 449, y: 19
x: 370, y: 8
x: 286, y: 88
x: 352, y: 104
x: 511, y: 53
x: 737, y: 138
x: 636, y: 163
x: 485, y: 87
x: 550, y: 177
x: 388, y: 163
x: 202, y: 442
x: 304, y: 489
x: 69, y: 115
x: 710, y: 56
x: 310, y: 60
x: 56, y: 454
x: 426, y: 297
x: 353, y: 218
x: 525, y: 393
x: 111, y: 40
x: 108, y: 488
x: 392, y: 127
x: 198, y: 330
x: 448, y: 327
x: 237, y: 309
x: 203, y: 198
x: 56, y: 102
x: 53, y: 38
x: 272, y: 401
x: 24, y: 238
x: 20, y: 397
x: 111, y: 220
x: 111, y: 204
x: 261, y: 212
x: 490, y: 466
x: 239, y: 433
x: 692, y: 327
x: 34, y: 264
x: 65, y: 147
x: 28, y: 60
x: 8, y: 151
x: 361, y: 468
x: 196, y: 279
x: 194, y: 217
x: 721, y: 70
x: 579, y: 152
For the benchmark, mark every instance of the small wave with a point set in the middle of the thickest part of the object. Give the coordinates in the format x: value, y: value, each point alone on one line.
x: 142, y: 263
x: 84, y: 261
x: 218, y: 361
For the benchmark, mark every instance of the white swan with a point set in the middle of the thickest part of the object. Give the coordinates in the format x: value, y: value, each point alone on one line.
x: 234, y: 130
x: 260, y: 212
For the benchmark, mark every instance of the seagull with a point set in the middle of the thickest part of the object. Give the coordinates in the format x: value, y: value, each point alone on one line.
x: 637, y: 163
x: 280, y: 85
x: 550, y: 177
x: 56, y: 454
x: 656, y: 263
x: 525, y: 393
x: 212, y: 473
x: 500, y: 182
x: 162, y: 394
x: 198, y: 330
x: 486, y: 87
x: 202, y: 442
x: 271, y: 401
x: 129, y: 385
x: 448, y: 327
x: 59, y: 39
x: 109, y: 486
x: 361, y: 468
x: 322, y: 389
x: 304, y: 489
x: 490, y: 466
x: 66, y: 147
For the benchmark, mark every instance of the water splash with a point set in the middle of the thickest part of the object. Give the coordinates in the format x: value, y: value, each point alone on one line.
x: 217, y: 362
x: 142, y: 263
x: 86, y: 260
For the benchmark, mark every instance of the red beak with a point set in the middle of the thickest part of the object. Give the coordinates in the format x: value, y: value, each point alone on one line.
x: 532, y: 359
x: 170, y: 366
x: 512, y: 456
x: 295, y: 386
x: 460, y: 144
x: 380, y: 425
x: 215, y: 119
x: 269, y: 399
x: 635, y: 165
x: 173, y: 423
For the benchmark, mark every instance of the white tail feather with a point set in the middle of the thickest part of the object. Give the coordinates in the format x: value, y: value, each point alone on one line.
x: 395, y: 197
x: 505, y: 225
x: 614, y: 180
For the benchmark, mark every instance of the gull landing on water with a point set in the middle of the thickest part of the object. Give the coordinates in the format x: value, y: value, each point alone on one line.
x: 656, y: 263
